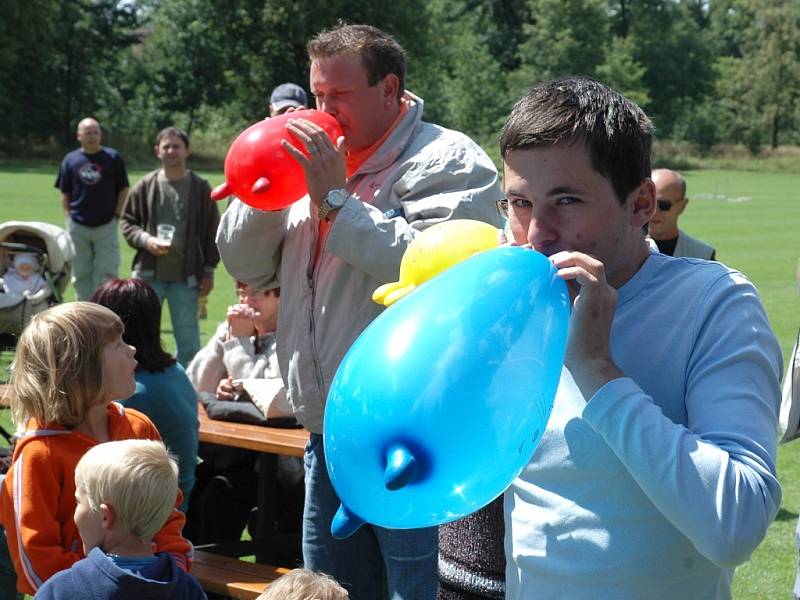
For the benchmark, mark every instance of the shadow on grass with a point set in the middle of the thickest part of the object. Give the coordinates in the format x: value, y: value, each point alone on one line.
x: 786, y: 515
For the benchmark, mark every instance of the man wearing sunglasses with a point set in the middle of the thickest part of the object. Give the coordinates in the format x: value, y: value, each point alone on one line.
x: 671, y: 202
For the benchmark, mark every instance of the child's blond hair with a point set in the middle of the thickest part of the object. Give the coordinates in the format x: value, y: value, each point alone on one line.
x: 304, y: 584
x: 57, y: 374
x: 137, y: 478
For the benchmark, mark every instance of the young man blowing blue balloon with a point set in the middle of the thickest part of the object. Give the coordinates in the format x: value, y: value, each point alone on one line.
x: 656, y: 475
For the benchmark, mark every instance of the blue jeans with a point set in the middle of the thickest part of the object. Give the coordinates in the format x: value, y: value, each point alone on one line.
x: 374, y: 563
x: 96, y: 256
x: 182, y: 300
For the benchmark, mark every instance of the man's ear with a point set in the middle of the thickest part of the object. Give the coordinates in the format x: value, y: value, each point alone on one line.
x: 682, y: 205
x: 643, y: 203
x: 109, y: 515
x: 391, y: 85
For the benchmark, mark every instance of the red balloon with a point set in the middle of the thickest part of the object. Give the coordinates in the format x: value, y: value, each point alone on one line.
x: 260, y: 172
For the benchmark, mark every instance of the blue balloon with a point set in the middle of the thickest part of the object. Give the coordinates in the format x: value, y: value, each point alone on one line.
x: 441, y: 401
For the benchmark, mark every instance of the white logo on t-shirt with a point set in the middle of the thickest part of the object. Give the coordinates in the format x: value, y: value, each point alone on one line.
x: 90, y: 173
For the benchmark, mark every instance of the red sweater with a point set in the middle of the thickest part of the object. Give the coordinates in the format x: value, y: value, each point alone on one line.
x: 37, y: 499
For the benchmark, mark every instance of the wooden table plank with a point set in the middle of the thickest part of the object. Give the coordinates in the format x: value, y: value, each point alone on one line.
x: 274, y: 440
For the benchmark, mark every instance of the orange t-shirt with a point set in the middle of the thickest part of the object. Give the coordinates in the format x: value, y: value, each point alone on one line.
x: 37, y: 499
x: 352, y: 161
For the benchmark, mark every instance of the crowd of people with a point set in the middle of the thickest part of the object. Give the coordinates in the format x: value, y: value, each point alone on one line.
x: 655, y: 476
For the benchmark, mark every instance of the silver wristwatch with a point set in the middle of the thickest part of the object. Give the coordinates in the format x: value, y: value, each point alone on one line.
x: 334, y: 199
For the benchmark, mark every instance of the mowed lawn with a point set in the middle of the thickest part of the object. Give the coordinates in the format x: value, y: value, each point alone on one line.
x: 753, y: 219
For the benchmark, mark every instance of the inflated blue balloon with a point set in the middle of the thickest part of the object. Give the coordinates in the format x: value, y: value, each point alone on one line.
x: 441, y: 401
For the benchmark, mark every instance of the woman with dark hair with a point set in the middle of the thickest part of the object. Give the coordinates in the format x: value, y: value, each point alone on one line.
x: 163, y: 391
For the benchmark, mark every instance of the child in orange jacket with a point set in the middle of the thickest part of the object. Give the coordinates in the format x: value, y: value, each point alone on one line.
x: 71, y: 363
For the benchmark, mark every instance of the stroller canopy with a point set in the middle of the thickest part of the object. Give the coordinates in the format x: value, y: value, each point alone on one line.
x: 60, y: 250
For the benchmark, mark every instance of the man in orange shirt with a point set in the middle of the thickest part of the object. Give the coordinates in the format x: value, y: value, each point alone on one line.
x: 370, y: 193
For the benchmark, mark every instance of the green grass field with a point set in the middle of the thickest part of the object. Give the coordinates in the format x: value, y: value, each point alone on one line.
x: 27, y: 194
x: 751, y: 218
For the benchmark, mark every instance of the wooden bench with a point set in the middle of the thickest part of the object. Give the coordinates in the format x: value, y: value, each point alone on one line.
x: 232, y: 577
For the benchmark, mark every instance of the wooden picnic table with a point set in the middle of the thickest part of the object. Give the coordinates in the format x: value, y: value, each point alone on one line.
x: 269, y: 442
x: 272, y: 440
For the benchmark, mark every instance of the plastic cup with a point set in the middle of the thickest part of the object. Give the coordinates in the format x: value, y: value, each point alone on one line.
x: 166, y: 233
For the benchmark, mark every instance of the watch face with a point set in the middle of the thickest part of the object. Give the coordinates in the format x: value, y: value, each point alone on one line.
x: 336, y: 198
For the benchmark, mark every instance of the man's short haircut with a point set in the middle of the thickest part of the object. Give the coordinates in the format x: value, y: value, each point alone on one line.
x: 57, y: 373
x: 137, y: 304
x: 378, y: 50
x: 137, y: 478
x: 579, y: 110
x: 175, y: 132
x: 301, y: 584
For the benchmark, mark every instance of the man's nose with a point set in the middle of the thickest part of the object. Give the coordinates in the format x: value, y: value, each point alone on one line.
x: 328, y: 106
x: 543, y: 228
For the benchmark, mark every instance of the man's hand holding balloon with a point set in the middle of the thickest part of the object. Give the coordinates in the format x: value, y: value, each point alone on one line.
x: 323, y: 162
x: 263, y: 172
x: 588, y: 356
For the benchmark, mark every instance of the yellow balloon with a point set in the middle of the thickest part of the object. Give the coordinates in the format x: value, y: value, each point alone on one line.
x: 435, y: 250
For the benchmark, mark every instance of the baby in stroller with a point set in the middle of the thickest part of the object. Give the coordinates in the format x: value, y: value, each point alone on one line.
x: 23, y: 277
x: 35, y: 259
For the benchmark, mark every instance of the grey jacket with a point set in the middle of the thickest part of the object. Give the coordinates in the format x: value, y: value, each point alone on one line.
x: 421, y: 175
x: 692, y: 247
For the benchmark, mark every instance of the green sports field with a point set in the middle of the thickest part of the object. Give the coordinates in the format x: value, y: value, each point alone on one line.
x: 753, y: 219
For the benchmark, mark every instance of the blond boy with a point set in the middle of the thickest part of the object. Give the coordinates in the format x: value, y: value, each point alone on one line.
x: 125, y: 491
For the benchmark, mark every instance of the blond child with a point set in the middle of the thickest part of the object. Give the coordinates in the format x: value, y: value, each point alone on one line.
x: 71, y: 364
x: 126, y: 491
x: 304, y: 584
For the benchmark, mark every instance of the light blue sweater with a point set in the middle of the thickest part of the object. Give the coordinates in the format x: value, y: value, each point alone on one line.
x: 665, y: 480
x: 170, y: 400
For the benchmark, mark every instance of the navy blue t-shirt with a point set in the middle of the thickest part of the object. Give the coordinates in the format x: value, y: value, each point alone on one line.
x: 93, y: 182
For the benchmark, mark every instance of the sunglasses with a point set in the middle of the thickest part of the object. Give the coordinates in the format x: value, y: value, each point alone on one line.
x: 666, y: 205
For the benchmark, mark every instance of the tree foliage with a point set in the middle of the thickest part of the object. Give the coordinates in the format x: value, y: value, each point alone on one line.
x: 759, y: 86
x: 706, y: 71
x: 563, y: 37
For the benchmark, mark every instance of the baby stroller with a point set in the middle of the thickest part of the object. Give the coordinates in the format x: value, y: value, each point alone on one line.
x: 54, y: 252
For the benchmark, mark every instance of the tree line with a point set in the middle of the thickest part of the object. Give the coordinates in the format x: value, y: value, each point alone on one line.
x: 706, y: 71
